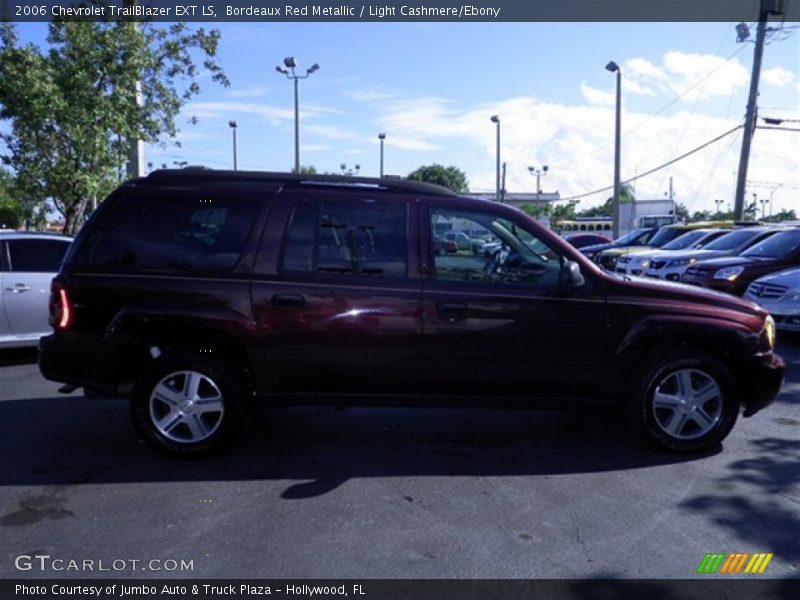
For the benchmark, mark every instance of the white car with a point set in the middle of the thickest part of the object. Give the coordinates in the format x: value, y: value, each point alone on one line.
x: 670, y: 266
x: 779, y: 294
x: 637, y: 264
x: 28, y: 263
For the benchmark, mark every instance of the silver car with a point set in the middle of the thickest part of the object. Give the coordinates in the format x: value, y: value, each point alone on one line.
x: 28, y: 263
x: 779, y: 294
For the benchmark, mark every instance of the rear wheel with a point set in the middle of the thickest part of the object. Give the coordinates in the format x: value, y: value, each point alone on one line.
x: 686, y: 401
x: 187, y: 405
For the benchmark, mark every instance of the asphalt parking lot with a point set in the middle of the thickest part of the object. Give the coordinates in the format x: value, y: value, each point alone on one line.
x: 401, y: 493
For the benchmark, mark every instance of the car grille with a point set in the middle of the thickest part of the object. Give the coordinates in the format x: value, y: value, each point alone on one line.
x: 766, y: 291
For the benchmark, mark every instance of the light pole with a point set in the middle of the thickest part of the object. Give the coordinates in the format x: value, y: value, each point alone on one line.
x: 614, y: 68
x: 538, y: 173
x: 233, y: 125
x: 496, y: 120
x: 718, y: 202
x: 290, y: 64
x: 381, y: 137
x: 772, y: 193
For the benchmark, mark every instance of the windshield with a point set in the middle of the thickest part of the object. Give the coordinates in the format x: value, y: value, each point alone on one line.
x: 779, y: 245
x: 633, y: 237
x: 665, y: 235
x: 690, y: 238
x: 732, y: 240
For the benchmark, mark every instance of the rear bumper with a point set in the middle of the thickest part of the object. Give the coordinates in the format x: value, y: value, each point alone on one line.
x: 766, y: 375
x: 67, y: 360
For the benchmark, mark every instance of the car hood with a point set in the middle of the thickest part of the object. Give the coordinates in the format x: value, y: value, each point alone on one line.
x: 727, y: 261
x: 594, y: 248
x: 696, y: 301
x: 688, y: 254
x: 619, y: 251
x: 788, y: 277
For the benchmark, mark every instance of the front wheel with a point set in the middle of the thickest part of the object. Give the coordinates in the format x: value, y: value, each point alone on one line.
x: 686, y: 401
x: 186, y: 405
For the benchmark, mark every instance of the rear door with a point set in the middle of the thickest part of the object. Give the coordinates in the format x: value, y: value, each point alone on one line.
x: 336, y: 293
x: 30, y: 265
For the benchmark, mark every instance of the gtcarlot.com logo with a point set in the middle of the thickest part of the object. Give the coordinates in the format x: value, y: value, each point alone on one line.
x: 44, y: 562
x: 734, y: 562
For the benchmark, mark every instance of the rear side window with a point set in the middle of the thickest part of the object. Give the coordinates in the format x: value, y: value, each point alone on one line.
x: 350, y: 238
x: 36, y: 256
x: 169, y: 233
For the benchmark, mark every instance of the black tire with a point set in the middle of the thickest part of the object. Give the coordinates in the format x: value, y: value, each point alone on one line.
x: 192, y: 432
x: 706, y: 422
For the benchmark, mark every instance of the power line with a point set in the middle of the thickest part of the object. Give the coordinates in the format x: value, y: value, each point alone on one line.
x: 658, y: 168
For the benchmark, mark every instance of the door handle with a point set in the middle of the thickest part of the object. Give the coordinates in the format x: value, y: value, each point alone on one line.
x: 288, y: 300
x: 19, y: 288
x: 452, y: 309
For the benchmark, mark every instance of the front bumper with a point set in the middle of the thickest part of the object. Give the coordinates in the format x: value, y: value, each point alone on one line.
x: 765, y: 374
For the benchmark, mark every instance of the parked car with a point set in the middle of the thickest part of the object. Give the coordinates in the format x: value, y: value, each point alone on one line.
x: 442, y: 246
x: 617, y: 258
x: 191, y: 291
x: 635, y: 237
x: 734, y: 273
x: 779, y: 293
x: 671, y: 265
x: 28, y: 262
x: 581, y: 240
x: 637, y: 264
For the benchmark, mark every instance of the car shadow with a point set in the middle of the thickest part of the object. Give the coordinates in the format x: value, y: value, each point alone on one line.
x: 71, y: 440
x: 752, y: 499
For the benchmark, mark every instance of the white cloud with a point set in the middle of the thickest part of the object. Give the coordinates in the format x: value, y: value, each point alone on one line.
x: 597, y: 97
x: 250, y: 92
x: 368, y: 95
x: 691, y: 76
x: 777, y: 76
x: 273, y: 114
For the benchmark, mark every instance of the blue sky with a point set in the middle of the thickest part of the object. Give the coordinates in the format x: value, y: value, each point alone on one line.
x: 432, y: 87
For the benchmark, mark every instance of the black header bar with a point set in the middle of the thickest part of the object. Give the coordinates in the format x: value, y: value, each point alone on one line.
x: 215, y: 11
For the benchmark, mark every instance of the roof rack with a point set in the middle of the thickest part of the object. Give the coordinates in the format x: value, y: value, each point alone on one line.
x: 199, y: 173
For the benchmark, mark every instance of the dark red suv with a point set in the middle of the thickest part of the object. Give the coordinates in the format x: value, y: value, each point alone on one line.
x: 190, y: 291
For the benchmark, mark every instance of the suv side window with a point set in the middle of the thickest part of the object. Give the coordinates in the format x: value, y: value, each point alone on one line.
x: 173, y: 233
x: 36, y: 256
x: 490, y: 249
x: 351, y: 238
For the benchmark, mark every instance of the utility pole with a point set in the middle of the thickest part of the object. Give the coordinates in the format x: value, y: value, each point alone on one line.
x: 767, y: 7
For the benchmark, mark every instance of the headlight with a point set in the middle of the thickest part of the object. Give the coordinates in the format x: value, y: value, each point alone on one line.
x: 729, y: 273
x: 645, y: 264
x: 769, y: 331
x: 792, y: 297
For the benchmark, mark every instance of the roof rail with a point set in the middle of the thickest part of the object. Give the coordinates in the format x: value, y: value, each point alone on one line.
x: 196, y: 173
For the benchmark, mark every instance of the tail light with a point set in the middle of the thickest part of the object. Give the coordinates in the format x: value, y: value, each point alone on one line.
x: 60, y: 307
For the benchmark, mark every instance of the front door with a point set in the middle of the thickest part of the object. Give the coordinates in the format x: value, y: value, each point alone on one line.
x: 499, y: 314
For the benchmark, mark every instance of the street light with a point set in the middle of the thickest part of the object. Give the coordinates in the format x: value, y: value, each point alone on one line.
x: 538, y: 173
x: 288, y: 69
x: 718, y: 202
x: 496, y: 120
x: 233, y: 125
x: 614, y: 68
x: 381, y: 137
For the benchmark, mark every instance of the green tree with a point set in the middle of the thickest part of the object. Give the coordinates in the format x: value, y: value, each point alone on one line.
x: 782, y: 215
x: 306, y: 170
x: 607, y: 208
x: 72, y: 110
x: 11, y: 210
x: 451, y: 177
x: 537, y: 211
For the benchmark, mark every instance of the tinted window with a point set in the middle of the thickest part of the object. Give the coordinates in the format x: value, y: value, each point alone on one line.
x: 353, y: 238
x: 36, y: 256
x: 687, y: 239
x: 496, y: 251
x: 776, y: 246
x: 201, y: 233
x: 665, y: 235
x: 733, y: 240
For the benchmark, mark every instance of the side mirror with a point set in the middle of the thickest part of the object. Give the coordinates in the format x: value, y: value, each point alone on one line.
x: 574, y: 276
